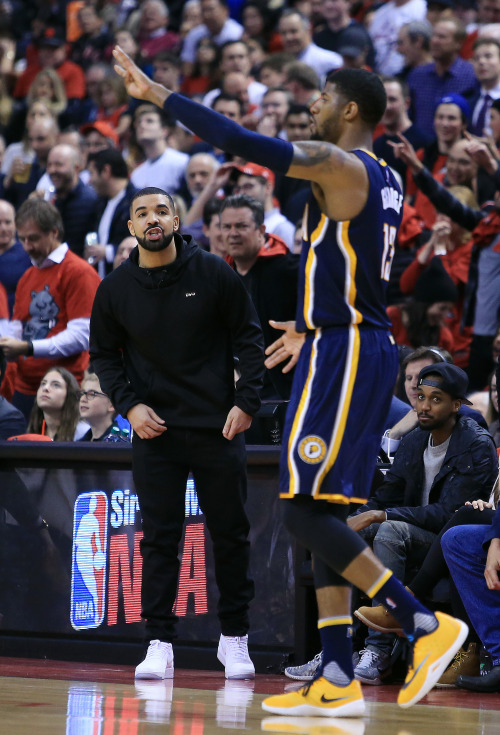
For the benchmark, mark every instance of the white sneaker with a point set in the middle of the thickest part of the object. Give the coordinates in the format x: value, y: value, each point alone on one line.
x: 159, y: 662
x: 233, y: 655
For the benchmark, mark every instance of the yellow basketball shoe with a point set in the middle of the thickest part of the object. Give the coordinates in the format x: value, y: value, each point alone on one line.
x: 320, y: 697
x: 431, y: 655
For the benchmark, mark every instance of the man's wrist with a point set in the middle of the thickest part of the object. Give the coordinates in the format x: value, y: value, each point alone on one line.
x: 158, y: 94
x: 29, y: 348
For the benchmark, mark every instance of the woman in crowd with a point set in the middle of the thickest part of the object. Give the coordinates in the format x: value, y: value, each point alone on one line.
x: 48, y: 86
x: 259, y: 23
x: 450, y: 123
x: 55, y: 412
x: 205, y: 74
x: 112, y: 100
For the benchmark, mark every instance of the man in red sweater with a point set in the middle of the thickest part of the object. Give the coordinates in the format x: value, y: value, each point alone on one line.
x: 53, y: 302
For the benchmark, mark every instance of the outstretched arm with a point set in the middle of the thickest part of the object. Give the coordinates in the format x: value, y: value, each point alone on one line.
x: 312, y: 160
x: 439, y: 195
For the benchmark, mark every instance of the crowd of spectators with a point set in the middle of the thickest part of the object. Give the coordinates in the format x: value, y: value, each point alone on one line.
x: 74, y: 149
x: 71, y: 136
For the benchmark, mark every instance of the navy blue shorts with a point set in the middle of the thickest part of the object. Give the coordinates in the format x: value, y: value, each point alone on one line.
x: 342, y: 389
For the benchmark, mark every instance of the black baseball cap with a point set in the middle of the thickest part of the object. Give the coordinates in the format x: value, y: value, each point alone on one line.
x: 454, y: 380
x: 51, y: 37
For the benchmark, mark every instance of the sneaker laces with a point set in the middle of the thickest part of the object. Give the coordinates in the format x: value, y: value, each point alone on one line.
x: 460, y: 657
x: 305, y: 689
x: 156, y: 651
x: 317, y: 674
x: 367, y: 658
x: 239, y: 648
x: 316, y: 661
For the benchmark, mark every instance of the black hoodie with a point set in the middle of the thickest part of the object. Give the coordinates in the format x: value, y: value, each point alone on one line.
x: 168, y: 336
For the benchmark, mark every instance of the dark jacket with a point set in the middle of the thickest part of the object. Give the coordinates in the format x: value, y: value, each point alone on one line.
x: 467, y: 473
x: 77, y: 210
x: 12, y: 421
x: 168, y: 336
x: 118, y: 230
x: 272, y: 283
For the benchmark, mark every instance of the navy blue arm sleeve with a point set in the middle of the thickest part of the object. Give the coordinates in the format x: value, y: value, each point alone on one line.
x: 230, y: 137
x: 446, y: 203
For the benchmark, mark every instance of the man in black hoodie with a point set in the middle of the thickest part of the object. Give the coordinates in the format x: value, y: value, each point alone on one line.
x: 165, y: 329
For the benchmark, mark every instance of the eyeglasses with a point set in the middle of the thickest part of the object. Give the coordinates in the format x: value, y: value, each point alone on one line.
x: 90, y: 394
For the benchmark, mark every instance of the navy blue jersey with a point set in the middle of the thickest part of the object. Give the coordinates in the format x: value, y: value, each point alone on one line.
x: 346, y: 265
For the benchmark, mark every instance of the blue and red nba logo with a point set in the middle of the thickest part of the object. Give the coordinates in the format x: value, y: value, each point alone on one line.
x: 88, y: 573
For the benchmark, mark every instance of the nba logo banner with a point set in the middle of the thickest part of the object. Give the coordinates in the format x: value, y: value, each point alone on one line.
x: 88, y: 572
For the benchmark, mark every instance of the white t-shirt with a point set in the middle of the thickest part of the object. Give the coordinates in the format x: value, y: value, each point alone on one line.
x: 166, y: 171
x: 256, y: 91
x: 320, y: 59
x: 231, y: 31
x: 384, y: 29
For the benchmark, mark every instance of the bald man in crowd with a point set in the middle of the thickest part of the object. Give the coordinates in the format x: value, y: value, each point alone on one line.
x: 76, y: 201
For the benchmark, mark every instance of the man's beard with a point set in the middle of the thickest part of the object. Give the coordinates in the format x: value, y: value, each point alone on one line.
x: 155, y: 246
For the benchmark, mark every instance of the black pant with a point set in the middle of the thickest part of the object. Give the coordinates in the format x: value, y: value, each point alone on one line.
x: 481, y: 362
x: 161, y: 467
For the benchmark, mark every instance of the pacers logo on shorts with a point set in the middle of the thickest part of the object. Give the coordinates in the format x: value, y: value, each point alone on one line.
x: 312, y: 449
x: 88, y: 573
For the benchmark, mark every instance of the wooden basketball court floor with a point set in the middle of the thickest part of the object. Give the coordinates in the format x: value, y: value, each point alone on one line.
x: 65, y: 698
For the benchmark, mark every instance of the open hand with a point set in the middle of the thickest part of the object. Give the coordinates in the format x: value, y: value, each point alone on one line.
x: 138, y: 85
x: 287, y: 346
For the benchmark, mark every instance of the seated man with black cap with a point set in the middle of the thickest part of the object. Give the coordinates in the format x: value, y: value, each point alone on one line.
x: 443, y: 463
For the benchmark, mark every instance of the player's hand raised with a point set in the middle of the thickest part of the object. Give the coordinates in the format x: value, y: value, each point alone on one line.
x: 138, y: 85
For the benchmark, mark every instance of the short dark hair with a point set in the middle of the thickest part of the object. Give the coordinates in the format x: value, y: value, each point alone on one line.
x: 298, y: 71
x: 167, y: 57
x: 236, y: 201
x: 44, y: 215
x: 435, y: 354
x: 152, y: 190
x: 149, y: 109
x: 110, y: 157
x: 277, y: 61
x: 228, y: 98
x: 298, y: 110
x: 365, y: 89
x: 403, y: 84
x: 486, y: 42
x: 284, y: 90
x: 231, y: 42
x: 212, y: 206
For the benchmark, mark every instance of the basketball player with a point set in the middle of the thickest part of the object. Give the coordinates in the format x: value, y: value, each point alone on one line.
x: 346, y: 369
